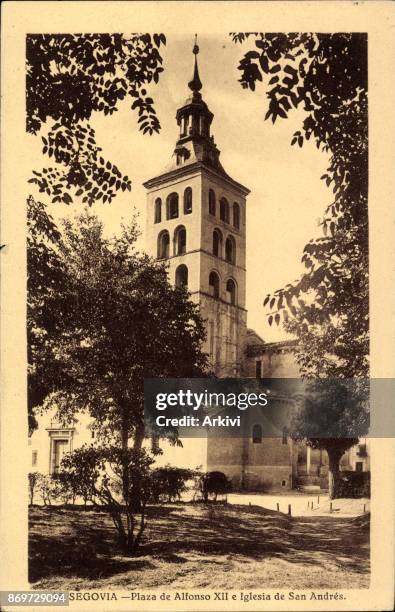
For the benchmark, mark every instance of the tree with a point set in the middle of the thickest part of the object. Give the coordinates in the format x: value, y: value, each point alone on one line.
x: 326, y: 75
x: 332, y: 415
x: 46, y: 278
x: 69, y: 77
x: 113, y: 320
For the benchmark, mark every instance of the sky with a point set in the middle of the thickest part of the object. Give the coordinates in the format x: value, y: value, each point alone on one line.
x: 287, y: 196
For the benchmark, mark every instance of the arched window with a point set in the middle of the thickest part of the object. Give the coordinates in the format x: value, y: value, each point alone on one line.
x: 182, y: 277
x: 187, y: 201
x: 236, y: 215
x: 213, y: 281
x: 180, y: 240
x: 158, y: 210
x: 224, y: 210
x: 230, y: 250
x: 257, y: 434
x: 211, y: 202
x: 231, y: 291
x: 172, y: 206
x: 217, y: 243
x: 163, y: 245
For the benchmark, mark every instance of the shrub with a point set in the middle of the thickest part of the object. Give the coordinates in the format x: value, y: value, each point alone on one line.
x: 214, y: 483
x: 34, y: 478
x: 170, y: 482
x: 50, y: 489
x: 354, y: 484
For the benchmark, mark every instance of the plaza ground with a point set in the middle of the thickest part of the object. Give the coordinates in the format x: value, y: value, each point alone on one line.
x: 193, y: 546
x: 303, y: 505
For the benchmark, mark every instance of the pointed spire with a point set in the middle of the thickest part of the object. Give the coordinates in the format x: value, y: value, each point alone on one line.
x: 195, y: 85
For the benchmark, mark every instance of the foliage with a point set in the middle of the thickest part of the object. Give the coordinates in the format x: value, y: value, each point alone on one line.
x: 50, y: 489
x: 331, y: 415
x: 46, y: 278
x: 78, y: 474
x: 33, y: 479
x: 354, y: 484
x: 69, y: 78
x: 171, y: 482
x: 118, y: 480
x: 213, y: 483
x: 111, y: 320
x: 326, y: 75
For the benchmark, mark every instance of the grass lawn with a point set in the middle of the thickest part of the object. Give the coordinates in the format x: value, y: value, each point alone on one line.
x: 191, y: 546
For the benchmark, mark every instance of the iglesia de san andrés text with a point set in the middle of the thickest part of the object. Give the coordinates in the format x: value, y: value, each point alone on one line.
x: 196, y: 221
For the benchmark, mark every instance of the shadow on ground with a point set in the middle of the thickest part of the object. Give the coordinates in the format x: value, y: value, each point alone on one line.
x: 80, y: 545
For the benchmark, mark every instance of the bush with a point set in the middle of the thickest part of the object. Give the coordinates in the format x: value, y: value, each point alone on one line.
x: 170, y: 482
x: 34, y: 478
x: 214, y: 483
x: 49, y: 488
x: 354, y: 484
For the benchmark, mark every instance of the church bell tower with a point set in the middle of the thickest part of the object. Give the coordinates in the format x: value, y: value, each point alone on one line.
x: 196, y: 220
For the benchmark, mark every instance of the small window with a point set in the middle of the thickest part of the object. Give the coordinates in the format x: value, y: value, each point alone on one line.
x: 172, y: 206
x: 284, y: 435
x: 158, y: 210
x: 163, y: 245
x: 217, y: 243
x: 187, y: 201
x: 224, y: 210
x: 34, y: 458
x: 359, y: 466
x: 231, y: 291
x: 258, y: 369
x: 211, y: 202
x: 257, y: 434
x: 236, y: 215
x: 230, y: 250
x: 283, y: 483
x: 214, y: 284
x: 182, y: 277
x: 180, y: 241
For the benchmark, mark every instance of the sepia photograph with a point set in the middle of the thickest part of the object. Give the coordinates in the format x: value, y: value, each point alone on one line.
x: 197, y: 212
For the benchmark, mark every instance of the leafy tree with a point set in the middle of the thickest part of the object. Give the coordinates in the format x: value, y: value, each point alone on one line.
x: 328, y: 307
x: 68, y: 78
x: 332, y: 413
x: 113, y: 320
x: 326, y: 75
x: 46, y: 278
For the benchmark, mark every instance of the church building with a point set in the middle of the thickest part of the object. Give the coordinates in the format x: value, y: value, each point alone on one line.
x: 196, y: 221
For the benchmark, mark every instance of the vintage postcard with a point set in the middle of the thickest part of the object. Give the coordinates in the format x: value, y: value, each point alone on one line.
x: 197, y: 306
